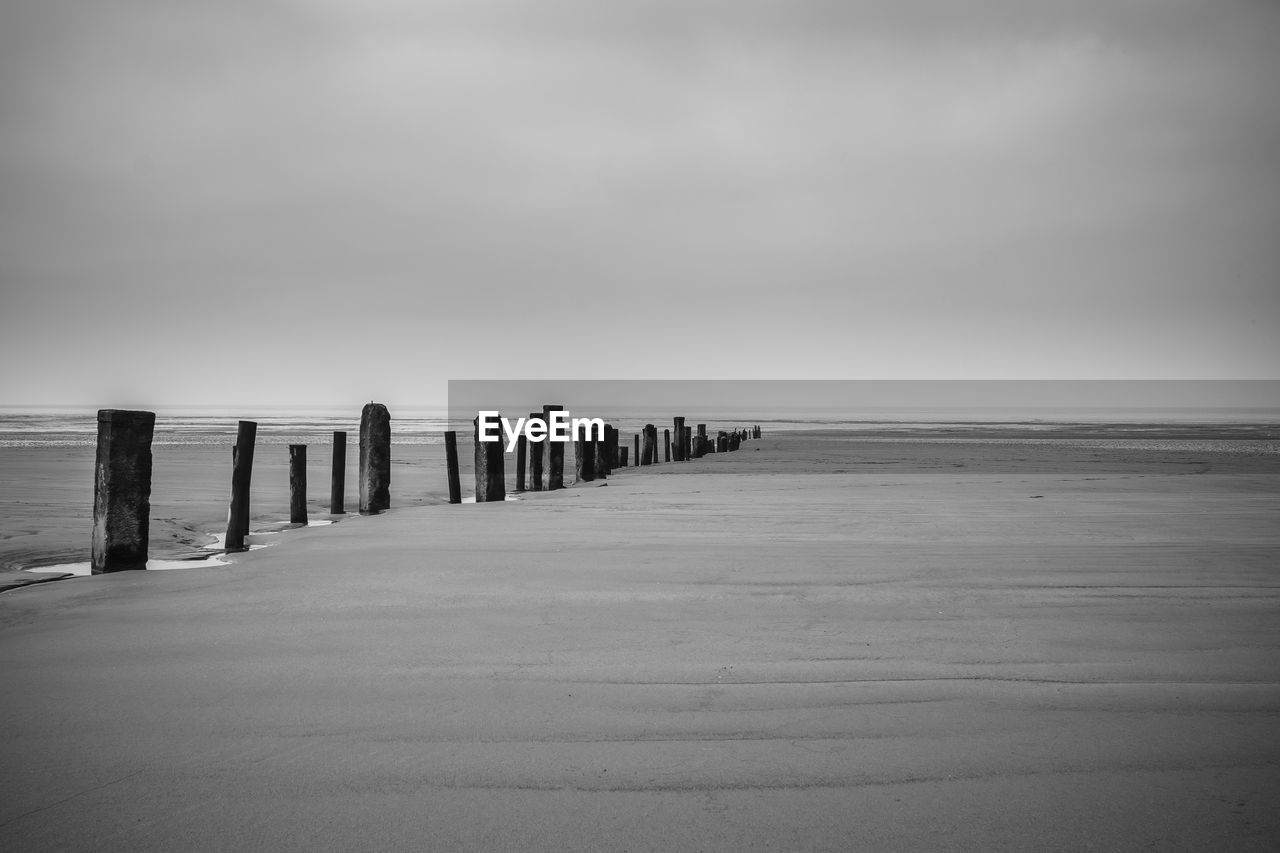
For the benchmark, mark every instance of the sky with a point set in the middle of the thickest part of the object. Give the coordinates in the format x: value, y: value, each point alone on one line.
x: 331, y: 201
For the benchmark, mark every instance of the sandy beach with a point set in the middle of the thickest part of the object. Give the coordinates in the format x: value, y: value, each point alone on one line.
x: 812, y: 644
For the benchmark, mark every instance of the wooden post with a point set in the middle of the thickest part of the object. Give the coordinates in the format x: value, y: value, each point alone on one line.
x: 666, y: 445
x: 636, y: 440
x: 297, y: 484
x: 522, y: 448
x: 241, y: 474
x: 604, y: 460
x: 555, y: 452
x: 585, y: 456
x: 611, y: 446
x: 122, y: 490
x: 451, y: 463
x: 535, y: 452
x: 649, y: 454
x: 679, y: 437
x: 622, y: 457
x: 375, y: 459
x: 338, y: 481
x: 491, y: 484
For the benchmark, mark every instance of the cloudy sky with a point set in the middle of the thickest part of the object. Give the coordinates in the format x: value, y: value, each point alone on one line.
x: 327, y: 201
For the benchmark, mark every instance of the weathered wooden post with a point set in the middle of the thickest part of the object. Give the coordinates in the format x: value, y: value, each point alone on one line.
x: 375, y: 459
x: 451, y: 464
x: 555, y: 452
x: 679, y: 437
x: 622, y: 457
x: 491, y: 482
x: 584, y: 451
x: 297, y: 484
x: 122, y: 491
x: 241, y: 474
x: 649, y: 455
x: 535, y: 452
x: 522, y: 448
x: 604, y: 460
x: 666, y: 445
x: 338, y: 481
x: 611, y: 446
x: 636, y: 441
x: 722, y: 442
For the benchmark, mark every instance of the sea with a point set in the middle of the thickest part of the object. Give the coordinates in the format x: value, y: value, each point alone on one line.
x: 47, y: 460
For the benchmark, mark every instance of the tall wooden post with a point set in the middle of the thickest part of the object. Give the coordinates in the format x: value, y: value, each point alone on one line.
x: 604, y: 459
x: 297, y: 484
x: 622, y: 457
x: 555, y: 453
x: 611, y: 446
x: 338, y: 480
x: 585, y: 459
x: 122, y: 491
x: 679, y: 439
x: 522, y: 449
x: 666, y: 445
x: 375, y: 459
x: 241, y: 474
x: 536, y: 455
x: 491, y: 482
x: 451, y: 464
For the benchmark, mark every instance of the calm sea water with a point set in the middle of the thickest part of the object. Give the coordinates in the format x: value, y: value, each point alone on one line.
x: 46, y: 458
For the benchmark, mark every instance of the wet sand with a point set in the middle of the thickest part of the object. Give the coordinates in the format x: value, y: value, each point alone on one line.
x: 812, y: 644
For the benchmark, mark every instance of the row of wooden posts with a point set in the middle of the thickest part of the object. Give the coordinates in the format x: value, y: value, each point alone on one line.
x: 122, y: 476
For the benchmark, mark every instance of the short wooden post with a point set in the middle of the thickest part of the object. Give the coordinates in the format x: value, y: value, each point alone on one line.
x: 122, y: 491
x: 555, y: 452
x: 491, y: 482
x: 649, y: 453
x: 679, y: 438
x: 297, y: 484
x: 241, y: 474
x: 536, y: 456
x: 622, y: 457
x: 522, y: 448
x: 338, y: 480
x: 451, y: 464
x: 666, y: 445
x: 636, y: 440
x: 375, y: 459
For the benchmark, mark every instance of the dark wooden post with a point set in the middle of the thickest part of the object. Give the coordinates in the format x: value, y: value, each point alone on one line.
x: 451, y: 464
x: 241, y: 474
x: 522, y: 448
x: 604, y: 460
x: 611, y: 446
x: 649, y: 451
x: 636, y: 441
x: 666, y: 445
x: 622, y: 457
x: 536, y: 455
x: 375, y: 459
x: 297, y: 484
x: 491, y: 484
x: 584, y: 451
x: 338, y: 481
x: 679, y: 437
x: 122, y: 491
x: 555, y: 452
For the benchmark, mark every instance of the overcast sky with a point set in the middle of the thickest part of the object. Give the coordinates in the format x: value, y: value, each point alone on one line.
x: 329, y: 201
